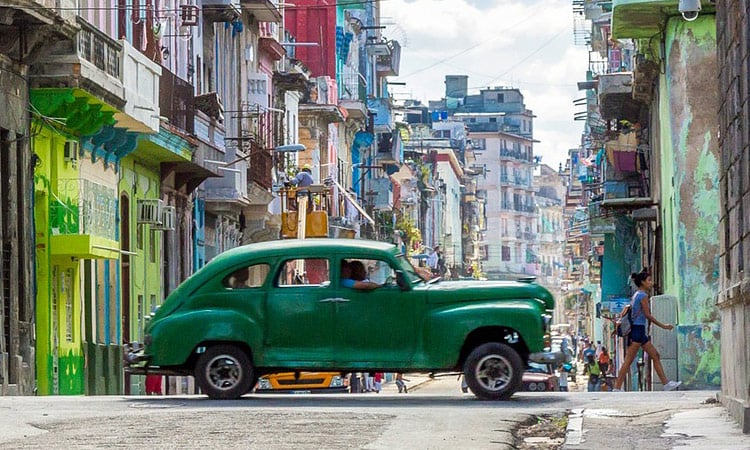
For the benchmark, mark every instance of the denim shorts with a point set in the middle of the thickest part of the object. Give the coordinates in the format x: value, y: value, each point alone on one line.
x: 638, y: 334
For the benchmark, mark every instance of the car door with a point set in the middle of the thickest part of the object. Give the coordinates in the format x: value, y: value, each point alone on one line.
x: 375, y: 328
x: 299, y: 314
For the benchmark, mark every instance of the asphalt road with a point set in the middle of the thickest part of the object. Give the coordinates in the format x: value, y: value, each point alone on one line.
x: 434, y: 415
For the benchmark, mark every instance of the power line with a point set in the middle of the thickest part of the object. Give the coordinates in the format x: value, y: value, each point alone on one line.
x: 466, y: 50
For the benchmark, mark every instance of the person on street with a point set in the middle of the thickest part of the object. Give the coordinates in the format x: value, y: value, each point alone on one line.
x: 303, y: 178
x: 563, y: 377
x: 378, y: 381
x: 401, y: 383
x: 641, y: 316
x: 592, y: 370
x: 588, y: 351
x: 432, y: 260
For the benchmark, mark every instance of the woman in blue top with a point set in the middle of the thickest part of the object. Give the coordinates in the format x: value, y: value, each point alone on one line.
x: 641, y: 315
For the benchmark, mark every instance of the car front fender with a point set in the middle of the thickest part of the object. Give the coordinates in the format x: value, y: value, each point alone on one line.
x: 447, y: 329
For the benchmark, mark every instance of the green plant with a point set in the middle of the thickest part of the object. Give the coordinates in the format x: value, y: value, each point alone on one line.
x: 410, y: 233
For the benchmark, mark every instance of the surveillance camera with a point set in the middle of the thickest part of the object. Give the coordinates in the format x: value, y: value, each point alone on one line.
x: 689, y: 9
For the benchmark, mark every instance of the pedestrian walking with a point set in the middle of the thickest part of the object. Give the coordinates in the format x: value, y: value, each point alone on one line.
x: 641, y: 316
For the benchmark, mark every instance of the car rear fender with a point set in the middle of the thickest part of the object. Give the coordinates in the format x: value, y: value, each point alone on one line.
x: 175, y: 338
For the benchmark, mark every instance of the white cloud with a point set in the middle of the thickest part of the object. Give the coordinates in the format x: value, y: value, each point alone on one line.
x: 522, y: 44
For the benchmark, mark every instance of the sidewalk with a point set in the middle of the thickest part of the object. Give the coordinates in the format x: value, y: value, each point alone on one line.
x: 653, y: 420
x: 415, y: 381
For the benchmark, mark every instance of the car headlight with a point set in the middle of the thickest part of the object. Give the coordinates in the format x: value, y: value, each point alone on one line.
x: 263, y: 383
x: 336, y: 382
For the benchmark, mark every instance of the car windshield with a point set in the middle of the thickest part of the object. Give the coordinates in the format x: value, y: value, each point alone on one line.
x: 409, y: 269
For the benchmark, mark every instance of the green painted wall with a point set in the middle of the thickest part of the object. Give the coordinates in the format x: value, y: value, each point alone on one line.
x: 690, y: 194
x: 59, y: 354
x: 141, y: 181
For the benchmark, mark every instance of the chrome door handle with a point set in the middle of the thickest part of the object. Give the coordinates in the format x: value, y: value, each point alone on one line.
x: 335, y: 300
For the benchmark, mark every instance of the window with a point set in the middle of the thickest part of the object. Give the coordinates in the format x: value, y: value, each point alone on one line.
x: 506, y: 253
x: 493, y: 119
x: 501, y: 98
x: 479, y: 144
x: 247, y: 277
x: 310, y: 271
x: 375, y: 270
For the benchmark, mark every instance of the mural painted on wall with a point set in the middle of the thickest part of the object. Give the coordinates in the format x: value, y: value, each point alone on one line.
x: 691, y: 50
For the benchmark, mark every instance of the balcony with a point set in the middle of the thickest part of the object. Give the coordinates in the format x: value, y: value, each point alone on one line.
x: 261, y: 167
x: 221, y: 10
x: 642, y: 19
x: 388, y: 64
x: 140, y: 78
x: 379, y: 193
x: 383, y: 109
x: 616, y: 97
x: 43, y: 26
x: 83, y: 220
x: 91, y: 62
x: 176, y: 101
x: 352, y: 88
x: 263, y: 10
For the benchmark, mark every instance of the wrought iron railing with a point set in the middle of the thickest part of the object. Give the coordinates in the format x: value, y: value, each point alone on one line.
x: 176, y: 101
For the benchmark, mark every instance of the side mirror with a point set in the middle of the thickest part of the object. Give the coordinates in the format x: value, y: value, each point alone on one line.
x: 402, y: 281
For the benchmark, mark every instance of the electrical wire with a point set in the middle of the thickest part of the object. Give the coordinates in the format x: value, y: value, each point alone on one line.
x: 468, y: 49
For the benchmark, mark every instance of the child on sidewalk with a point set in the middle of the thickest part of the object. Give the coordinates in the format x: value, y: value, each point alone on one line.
x: 400, y: 382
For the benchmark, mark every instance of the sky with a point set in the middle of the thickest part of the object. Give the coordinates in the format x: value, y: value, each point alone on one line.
x: 525, y: 44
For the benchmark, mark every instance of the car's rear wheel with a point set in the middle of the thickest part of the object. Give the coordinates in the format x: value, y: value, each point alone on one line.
x: 494, y: 371
x: 224, y: 372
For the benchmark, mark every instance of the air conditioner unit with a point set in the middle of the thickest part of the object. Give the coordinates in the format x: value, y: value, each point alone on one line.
x: 70, y: 154
x: 150, y: 211
x: 168, y: 219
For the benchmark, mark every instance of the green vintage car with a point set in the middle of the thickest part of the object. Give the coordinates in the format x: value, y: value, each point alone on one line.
x: 281, y: 306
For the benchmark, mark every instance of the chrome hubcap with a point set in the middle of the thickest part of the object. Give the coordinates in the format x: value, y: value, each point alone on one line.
x: 494, y: 372
x: 223, y: 372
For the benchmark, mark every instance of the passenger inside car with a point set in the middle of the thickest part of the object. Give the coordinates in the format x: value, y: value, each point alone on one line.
x: 354, y: 275
x: 237, y: 279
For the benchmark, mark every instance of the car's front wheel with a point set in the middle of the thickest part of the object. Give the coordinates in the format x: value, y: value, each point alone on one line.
x: 224, y: 372
x: 494, y: 371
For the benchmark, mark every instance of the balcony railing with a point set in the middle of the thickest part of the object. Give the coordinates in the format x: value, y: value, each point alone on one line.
x: 352, y: 86
x: 176, y: 101
x: 83, y: 207
x: 99, y: 49
x: 261, y: 166
x: 92, y: 60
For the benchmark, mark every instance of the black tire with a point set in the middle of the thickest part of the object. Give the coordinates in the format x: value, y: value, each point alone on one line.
x: 224, y: 372
x: 494, y: 371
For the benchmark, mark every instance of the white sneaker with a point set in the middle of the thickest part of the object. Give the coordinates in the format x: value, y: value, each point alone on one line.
x: 672, y: 385
x: 616, y: 390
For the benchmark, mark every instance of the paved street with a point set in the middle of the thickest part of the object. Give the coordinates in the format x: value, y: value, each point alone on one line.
x: 434, y: 415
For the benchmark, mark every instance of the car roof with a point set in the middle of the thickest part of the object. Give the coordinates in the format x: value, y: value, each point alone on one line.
x: 324, y: 244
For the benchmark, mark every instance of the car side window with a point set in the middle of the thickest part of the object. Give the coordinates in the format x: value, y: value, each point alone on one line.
x: 375, y: 270
x: 305, y: 272
x: 252, y: 276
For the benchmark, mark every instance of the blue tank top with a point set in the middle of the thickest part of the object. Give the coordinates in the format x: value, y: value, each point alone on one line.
x: 639, y: 318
